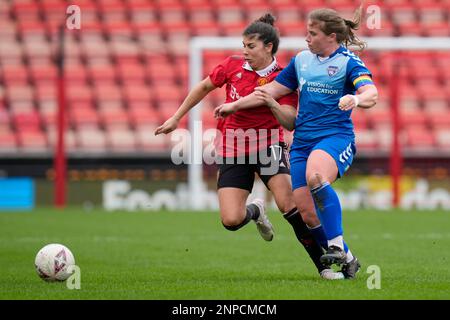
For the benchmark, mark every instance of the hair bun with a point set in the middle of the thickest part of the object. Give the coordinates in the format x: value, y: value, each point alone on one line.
x: 267, y: 18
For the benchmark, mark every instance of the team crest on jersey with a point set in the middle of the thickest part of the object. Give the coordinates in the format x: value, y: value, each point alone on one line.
x: 262, y: 81
x: 239, y: 75
x: 332, y: 70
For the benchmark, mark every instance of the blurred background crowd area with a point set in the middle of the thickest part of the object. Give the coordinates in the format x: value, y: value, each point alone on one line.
x: 126, y: 70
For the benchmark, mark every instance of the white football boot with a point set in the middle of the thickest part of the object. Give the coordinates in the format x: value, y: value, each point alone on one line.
x: 330, y: 274
x: 262, y: 223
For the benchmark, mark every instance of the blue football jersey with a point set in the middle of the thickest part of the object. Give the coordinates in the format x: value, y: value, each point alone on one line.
x: 321, y: 84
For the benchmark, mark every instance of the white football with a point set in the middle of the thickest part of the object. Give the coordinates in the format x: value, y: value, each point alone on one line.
x: 52, y: 262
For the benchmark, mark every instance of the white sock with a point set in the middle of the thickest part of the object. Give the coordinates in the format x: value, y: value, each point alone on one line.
x: 337, y: 242
x: 349, y: 256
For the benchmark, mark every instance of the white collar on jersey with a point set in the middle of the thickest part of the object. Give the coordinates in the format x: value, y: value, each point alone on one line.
x: 322, y: 59
x: 264, y: 72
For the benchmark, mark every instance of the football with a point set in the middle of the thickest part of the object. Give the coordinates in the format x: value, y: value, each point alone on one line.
x: 52, y: 262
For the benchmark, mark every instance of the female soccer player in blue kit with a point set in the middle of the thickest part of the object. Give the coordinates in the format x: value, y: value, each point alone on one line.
x: 331, y: 81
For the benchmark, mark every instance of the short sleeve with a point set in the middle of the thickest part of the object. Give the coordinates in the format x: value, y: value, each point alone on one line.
x: 288, y: 76
x: 290, y: 99
x: 358, y: 74
x: 219, y: 74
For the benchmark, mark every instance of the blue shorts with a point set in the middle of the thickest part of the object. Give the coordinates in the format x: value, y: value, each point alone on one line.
x: 341, y: 148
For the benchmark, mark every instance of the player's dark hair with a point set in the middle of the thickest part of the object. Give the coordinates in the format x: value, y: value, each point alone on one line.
x: 331, y: 22
x: 264, y: 29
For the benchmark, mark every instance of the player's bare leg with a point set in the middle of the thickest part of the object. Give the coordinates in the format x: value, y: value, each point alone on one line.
x: 235, y: 213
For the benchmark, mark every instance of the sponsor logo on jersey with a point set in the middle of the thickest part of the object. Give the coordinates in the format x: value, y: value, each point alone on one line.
x: 234, y: 94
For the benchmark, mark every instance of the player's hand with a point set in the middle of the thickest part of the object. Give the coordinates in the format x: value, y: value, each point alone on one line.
x: 263, y: 96
x: 348, y: 102
x: 224, y: 110
x: 167, y: 127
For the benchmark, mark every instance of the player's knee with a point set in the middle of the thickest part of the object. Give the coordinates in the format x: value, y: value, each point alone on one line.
x: 286, y: 205
x: 314, y: 180
x: 231, y: 223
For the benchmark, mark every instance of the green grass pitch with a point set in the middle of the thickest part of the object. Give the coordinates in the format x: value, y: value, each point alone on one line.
x: 188, y: 255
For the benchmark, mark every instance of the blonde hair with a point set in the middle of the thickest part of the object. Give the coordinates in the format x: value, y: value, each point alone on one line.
x: 331, y: 22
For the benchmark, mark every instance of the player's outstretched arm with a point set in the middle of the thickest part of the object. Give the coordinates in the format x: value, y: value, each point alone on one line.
x: 275, y: 89
x: 366, y: 97
x: 197, y: 93
x: 285, y: 114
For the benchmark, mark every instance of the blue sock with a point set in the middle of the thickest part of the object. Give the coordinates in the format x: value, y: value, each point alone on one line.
x: 329, y: 213
x: 320, y: 235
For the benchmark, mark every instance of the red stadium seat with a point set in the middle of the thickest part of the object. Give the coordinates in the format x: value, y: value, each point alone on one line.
x: 27, y: 121
x: 18, y: 107
x: 402, y: 13
x: 114, y: 117
x: 11, y: 51
x: 439, y: 120
x: 131, y: 71
x: 147, y: 141
x: 359, y: 118
x: 437, y: 29
x: 233, y: 28
x: 420, y: 138
x: 86, y: 116
x: 8, y: 142
x: 170, y: 12
x: 442, y: 136
x: 137, y: 93
x: 292, y: 28
x: 169, y: 93
x: 91, y: 139
x: 69, y: 138
x: 19, y: 93
x: 4, y: 118
x: 205, y: 28
x: 121, y: 139
x: 430, y: 13
x: 410, y: 28
x: 75, y: 74
x: 100, y: 73
x: 366, y: 140
x: 379, y: 117
x: 15, y: 73
x: 79, y: 93
x: 107, y: 92
x: 41, y: 73
x: 143, y: 114
x: 254, y: 3
x: 229, y: 14
x: 34, y: 141
x: 413, y: 117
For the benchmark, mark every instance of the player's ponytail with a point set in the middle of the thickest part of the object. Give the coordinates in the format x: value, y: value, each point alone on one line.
x: 331, y: 22
x: 352, y: 38
x: 264, y: 29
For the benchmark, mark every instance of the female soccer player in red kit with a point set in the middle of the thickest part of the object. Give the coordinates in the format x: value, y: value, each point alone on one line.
x: 260, y: 133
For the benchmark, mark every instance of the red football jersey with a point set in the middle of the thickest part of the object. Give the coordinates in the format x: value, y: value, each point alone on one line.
x: 259, y: 126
